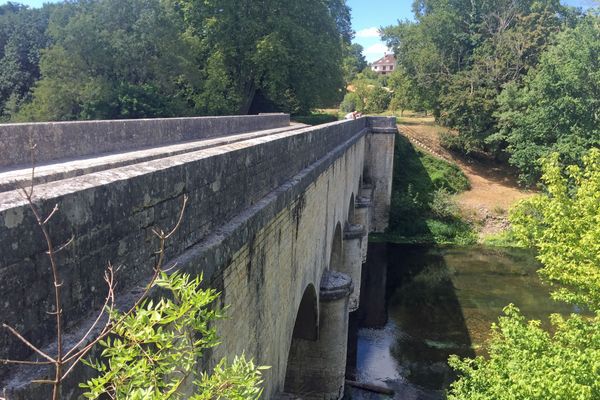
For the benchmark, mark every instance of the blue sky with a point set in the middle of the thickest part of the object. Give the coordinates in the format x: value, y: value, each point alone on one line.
x: 367, y: 17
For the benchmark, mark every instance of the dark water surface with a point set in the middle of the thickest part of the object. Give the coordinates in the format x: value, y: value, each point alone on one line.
x: 421, y: 304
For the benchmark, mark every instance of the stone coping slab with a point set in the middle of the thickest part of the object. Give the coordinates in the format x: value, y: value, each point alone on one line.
x: 58, y: 140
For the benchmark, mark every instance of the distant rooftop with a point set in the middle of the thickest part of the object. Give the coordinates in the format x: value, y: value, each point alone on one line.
x: 386, y: 60
x: 384, y: 65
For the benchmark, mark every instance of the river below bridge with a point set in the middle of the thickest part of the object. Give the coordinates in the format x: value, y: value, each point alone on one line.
x: 420, y: 304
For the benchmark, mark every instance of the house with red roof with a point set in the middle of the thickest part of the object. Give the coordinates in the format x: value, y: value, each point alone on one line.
x: 384, y: 65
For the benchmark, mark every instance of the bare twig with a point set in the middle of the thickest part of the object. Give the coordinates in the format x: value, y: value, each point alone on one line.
x: 65, y: 361
x: 64, y: 245
x: 27, y: 343
x: 109, y: 278
x: 24, y: 362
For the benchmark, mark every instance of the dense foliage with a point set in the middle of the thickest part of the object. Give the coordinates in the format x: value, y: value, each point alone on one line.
x: 528, y: 363
x: 525, y: 361
x: 558, y: 107
x: 516, y: 76
x: 367, y: 94
x: 134, y: 58
x: 289, y: 51
x: 111, y: 59
x: 354, y: 61
x: 564, y: 225
x: 155, y: 351
x: 22, y: 37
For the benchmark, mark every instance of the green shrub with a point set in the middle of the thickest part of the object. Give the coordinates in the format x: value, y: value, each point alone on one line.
x: 450, y: 231
x: 526, y: 362
x: 444, y: 175
x: 502, y: 239
x: 458, y: 143
x: 377, y: 100
x: 351, y: 102
x: 443, y: 206
x: 155, y: 350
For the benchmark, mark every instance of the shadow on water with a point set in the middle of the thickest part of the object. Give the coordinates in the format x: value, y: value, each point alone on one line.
x: 410, y: 322
x: 420, y: 304
x: 406, y: 346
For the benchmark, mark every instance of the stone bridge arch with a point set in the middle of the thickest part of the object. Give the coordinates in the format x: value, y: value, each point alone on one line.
x: 317, y: 358
x: 336, y: 257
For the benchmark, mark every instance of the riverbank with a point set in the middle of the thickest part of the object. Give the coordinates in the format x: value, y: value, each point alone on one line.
x: 423, y: 209
x: 493, y: 186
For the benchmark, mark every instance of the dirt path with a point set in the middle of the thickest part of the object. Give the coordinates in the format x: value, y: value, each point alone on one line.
x: 493, y: 189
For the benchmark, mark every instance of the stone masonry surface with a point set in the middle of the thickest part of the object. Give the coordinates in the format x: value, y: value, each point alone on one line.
x: 57, y: 140
x: 259, y: 225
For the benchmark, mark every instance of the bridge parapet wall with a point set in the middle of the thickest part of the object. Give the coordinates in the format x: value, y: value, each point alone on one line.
x: 110, y: 214
x: 59, y: 140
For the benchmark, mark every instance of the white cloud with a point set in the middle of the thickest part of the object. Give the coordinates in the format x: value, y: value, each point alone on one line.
x: 368, y: 33
x: 377, y: 48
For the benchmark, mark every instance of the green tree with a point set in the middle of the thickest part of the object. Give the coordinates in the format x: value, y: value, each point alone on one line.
x: 558, y: 108
x: 513, y: 36
x: 460, y: 54
x: 403, y: 95
x: 525, y: 361
x: 352, y: 102
x: 22, y: 38
x: 369, y: 95
x: 289, y: 52
x: 433, y: 47
x: 154, y: 351
x: 112, y: 59
x: 353, y: 62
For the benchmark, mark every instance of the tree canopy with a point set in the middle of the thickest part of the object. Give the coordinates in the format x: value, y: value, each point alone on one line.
x: 22, y: 38
x: 510, y: 76
x: 130, y: 59
x: 557, y: 109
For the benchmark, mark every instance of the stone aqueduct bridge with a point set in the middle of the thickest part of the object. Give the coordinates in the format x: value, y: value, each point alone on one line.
x: 277, y: 221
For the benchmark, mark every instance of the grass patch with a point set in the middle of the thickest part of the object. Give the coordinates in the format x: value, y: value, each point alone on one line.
x: 502, y: 239
x: 423, y: 209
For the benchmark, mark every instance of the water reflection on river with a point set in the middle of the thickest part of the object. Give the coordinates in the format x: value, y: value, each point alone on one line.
x: 421, y: 304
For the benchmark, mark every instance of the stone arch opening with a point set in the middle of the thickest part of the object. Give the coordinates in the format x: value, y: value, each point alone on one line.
x: 316, y: 367
x: 304, y: 339
x: 307, y: 318
x: 366, y: 175
x: 336, y: 258
x: 351, y: 206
